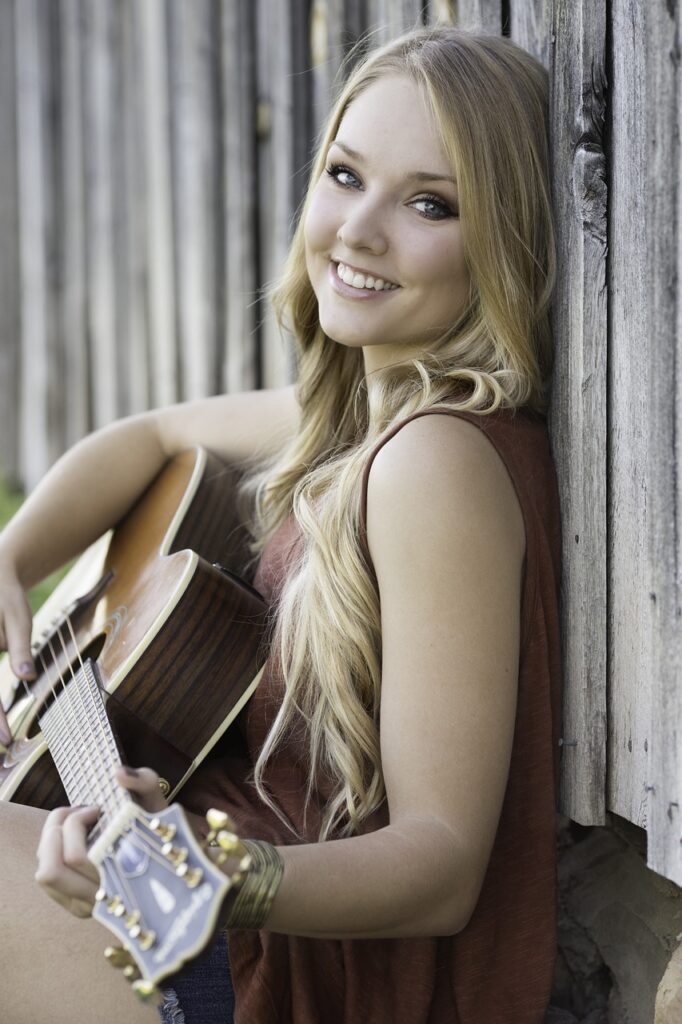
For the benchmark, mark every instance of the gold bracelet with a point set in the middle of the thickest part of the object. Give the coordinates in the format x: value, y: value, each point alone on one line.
x: 257, y: 891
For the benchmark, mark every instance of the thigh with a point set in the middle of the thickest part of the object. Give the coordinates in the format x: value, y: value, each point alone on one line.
x: 52, y: 967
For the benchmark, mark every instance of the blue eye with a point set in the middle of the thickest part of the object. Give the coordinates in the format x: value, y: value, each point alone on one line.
x: 337, y: 169
x: 445, y: 210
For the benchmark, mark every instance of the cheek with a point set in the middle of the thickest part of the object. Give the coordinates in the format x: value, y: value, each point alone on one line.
x: 319, y: 230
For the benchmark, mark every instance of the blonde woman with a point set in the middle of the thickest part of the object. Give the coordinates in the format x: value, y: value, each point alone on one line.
x: 398, y: 762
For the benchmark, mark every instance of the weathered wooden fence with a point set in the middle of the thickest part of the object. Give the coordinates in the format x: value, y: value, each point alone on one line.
x: 152, y: 159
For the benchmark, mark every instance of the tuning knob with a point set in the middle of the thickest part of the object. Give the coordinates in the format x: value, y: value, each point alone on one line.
x: 165, y: 832
x: 131, y: 972
x: 147, y: 992
x: 218, y: 819
x: 117, y: 956
x: 175, y: 854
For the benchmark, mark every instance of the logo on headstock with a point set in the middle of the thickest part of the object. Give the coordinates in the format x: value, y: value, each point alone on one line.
x: 164, y: 898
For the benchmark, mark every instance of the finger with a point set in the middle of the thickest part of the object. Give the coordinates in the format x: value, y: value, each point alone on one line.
x: 18, y: 621
x: 144, y: 784
x: 74, y: 843
x: 51, y: 829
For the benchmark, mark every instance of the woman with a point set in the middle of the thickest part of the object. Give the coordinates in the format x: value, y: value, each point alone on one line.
x: 399, y: 758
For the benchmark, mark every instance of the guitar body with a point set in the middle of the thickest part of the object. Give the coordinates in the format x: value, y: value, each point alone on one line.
x: 177, y: 642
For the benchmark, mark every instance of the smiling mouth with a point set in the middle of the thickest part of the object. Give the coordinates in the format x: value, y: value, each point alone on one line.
x: 362, y: 282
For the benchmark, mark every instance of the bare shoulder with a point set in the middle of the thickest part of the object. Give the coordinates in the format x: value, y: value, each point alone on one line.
x: 440, y: 472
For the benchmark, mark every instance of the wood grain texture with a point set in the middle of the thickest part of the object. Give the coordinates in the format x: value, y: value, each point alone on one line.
x: 579, y: 399
x: 663, y: 425
x: 630, y: 607
x: 73, y: 284
x: 193, y: 102
x: 10, y: 323
x: 239, y: 355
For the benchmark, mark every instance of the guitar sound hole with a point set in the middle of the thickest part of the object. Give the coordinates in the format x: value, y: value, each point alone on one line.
x: 53, y: 679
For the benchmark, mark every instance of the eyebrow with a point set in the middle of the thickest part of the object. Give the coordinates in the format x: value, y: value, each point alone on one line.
x: 414, y: 176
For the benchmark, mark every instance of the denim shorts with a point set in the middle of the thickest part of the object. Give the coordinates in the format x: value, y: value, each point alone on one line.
x: 202, y: 994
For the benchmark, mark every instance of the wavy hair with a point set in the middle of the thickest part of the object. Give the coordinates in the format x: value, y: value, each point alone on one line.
x: 489, y: 99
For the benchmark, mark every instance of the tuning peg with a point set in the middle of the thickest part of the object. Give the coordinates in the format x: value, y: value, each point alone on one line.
x: 175, y: 854
x: 115, y: 906
x: 193, y: 877
x: 146, y: 940
x: 218, y: 819
x: 147, y: 992
x: 117, y: 956
x: 132, y: 920
x: 165, y: 832
x: 131, y: 972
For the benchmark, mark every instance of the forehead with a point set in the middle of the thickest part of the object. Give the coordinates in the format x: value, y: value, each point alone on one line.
x: 391, y: 124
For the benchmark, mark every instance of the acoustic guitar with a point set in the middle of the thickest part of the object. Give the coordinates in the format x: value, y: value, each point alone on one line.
x: 147, y: 650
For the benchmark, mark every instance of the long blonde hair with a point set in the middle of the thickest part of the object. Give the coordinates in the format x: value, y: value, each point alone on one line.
x: 489, y: 99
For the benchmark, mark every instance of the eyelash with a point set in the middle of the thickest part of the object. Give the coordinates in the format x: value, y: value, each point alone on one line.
x: 335, y: 169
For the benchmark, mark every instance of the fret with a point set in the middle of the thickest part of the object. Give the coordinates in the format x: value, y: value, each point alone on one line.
x: 82, y: 744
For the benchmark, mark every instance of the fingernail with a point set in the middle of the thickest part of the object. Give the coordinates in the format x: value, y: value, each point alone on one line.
x: 26, y: 668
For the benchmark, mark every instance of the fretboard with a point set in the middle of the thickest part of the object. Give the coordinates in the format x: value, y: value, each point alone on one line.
x: 79, y: 737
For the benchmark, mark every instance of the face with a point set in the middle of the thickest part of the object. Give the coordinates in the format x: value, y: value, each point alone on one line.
x: 386, y: 207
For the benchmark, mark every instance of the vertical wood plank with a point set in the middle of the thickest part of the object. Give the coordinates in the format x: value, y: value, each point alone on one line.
x: 10, y: 321
x: 73, y: 288
x: 100, y: 169
x: 630, y: 349
x: 191, y: 52
x: 664, y: 328
x: 277, y: 201
x: 34, y: 448
x: 239, y: 355
x: 531, y: 28
x: 387, y: 19
x: 479, y: 16
x: 579, y: 400
x: 133, y: 310
x: 150, y: 18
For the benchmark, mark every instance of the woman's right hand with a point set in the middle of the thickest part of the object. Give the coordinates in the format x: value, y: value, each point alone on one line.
x: 15, y: 635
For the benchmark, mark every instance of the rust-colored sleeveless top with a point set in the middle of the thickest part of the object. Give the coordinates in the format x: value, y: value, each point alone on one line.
x: 499, y: 969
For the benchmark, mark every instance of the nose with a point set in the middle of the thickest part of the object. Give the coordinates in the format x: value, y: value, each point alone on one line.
x: 364, y: 227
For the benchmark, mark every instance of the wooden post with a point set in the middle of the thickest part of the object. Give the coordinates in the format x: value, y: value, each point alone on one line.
x: 73, y: 289
x: 10, y: 321
x: 150, y: 19
x: 192, y: 54
x: 238, y: 216
x: 662, y: 790
x: 33, y: 207
x: 579, y: 400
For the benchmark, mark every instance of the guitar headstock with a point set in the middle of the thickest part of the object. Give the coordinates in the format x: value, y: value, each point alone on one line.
x: 160, y: 893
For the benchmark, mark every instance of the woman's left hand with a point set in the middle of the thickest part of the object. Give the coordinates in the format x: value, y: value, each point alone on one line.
x: 64, y: 870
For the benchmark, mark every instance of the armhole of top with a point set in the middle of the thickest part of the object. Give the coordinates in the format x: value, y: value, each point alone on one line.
x: 529, y: 588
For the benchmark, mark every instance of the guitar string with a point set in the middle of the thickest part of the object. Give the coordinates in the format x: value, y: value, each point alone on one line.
x: 116, y: 793
x: 90, y: 770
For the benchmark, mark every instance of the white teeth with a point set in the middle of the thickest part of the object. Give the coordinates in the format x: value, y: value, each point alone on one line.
x: 356, y: 280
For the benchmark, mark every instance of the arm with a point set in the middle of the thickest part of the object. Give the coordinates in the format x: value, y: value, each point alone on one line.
x: 448, y: 559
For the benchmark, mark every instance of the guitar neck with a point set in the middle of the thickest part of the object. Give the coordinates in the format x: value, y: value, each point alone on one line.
x: 80, y: 739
